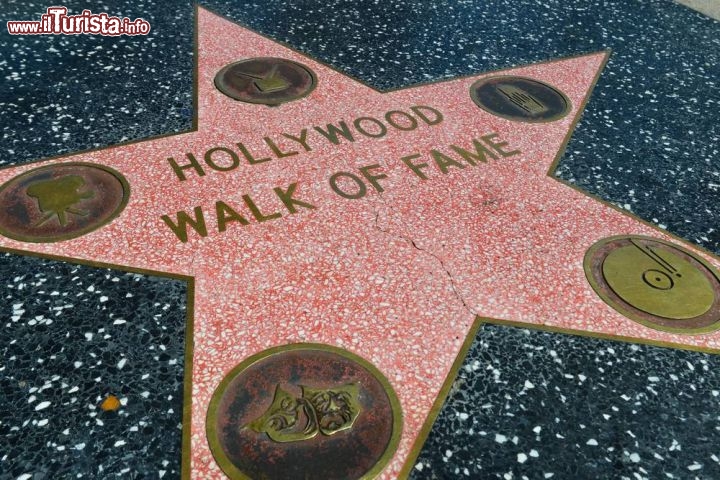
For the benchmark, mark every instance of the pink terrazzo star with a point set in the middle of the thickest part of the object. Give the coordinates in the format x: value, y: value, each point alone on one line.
x: 396, y: 276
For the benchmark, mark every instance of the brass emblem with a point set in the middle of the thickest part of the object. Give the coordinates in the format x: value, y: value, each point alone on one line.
x: 523, y: 99
x: 58, y: 197
x: 61, y: 201
x: 270, y: 82
x: 265, y: 80
x: 520, y: 99
x: 327, y: 411
x: 656, y: 283
x: 304, y: 411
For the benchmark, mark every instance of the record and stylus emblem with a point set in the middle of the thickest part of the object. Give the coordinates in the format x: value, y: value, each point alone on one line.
x: 656, y: 283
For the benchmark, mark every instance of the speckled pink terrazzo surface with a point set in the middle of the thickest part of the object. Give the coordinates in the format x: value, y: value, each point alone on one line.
x: 397, y: 277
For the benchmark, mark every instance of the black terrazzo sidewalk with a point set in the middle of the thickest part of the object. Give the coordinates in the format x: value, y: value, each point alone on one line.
x: 530, y: 404
x: 72, y: 335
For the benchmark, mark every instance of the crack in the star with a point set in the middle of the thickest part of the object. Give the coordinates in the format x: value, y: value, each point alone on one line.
x: 412, y: 242
x: 427, y: 252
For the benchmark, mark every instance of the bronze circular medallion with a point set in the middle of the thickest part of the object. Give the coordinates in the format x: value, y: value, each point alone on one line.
x: 265, y: 80
x: 305, y: 411
x: 656, y: 283
x: 61, y: 201
x: 521, y: 99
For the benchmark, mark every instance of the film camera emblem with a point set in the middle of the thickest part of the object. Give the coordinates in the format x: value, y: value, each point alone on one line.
x: 61, y: 201
x: 58, y: 197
